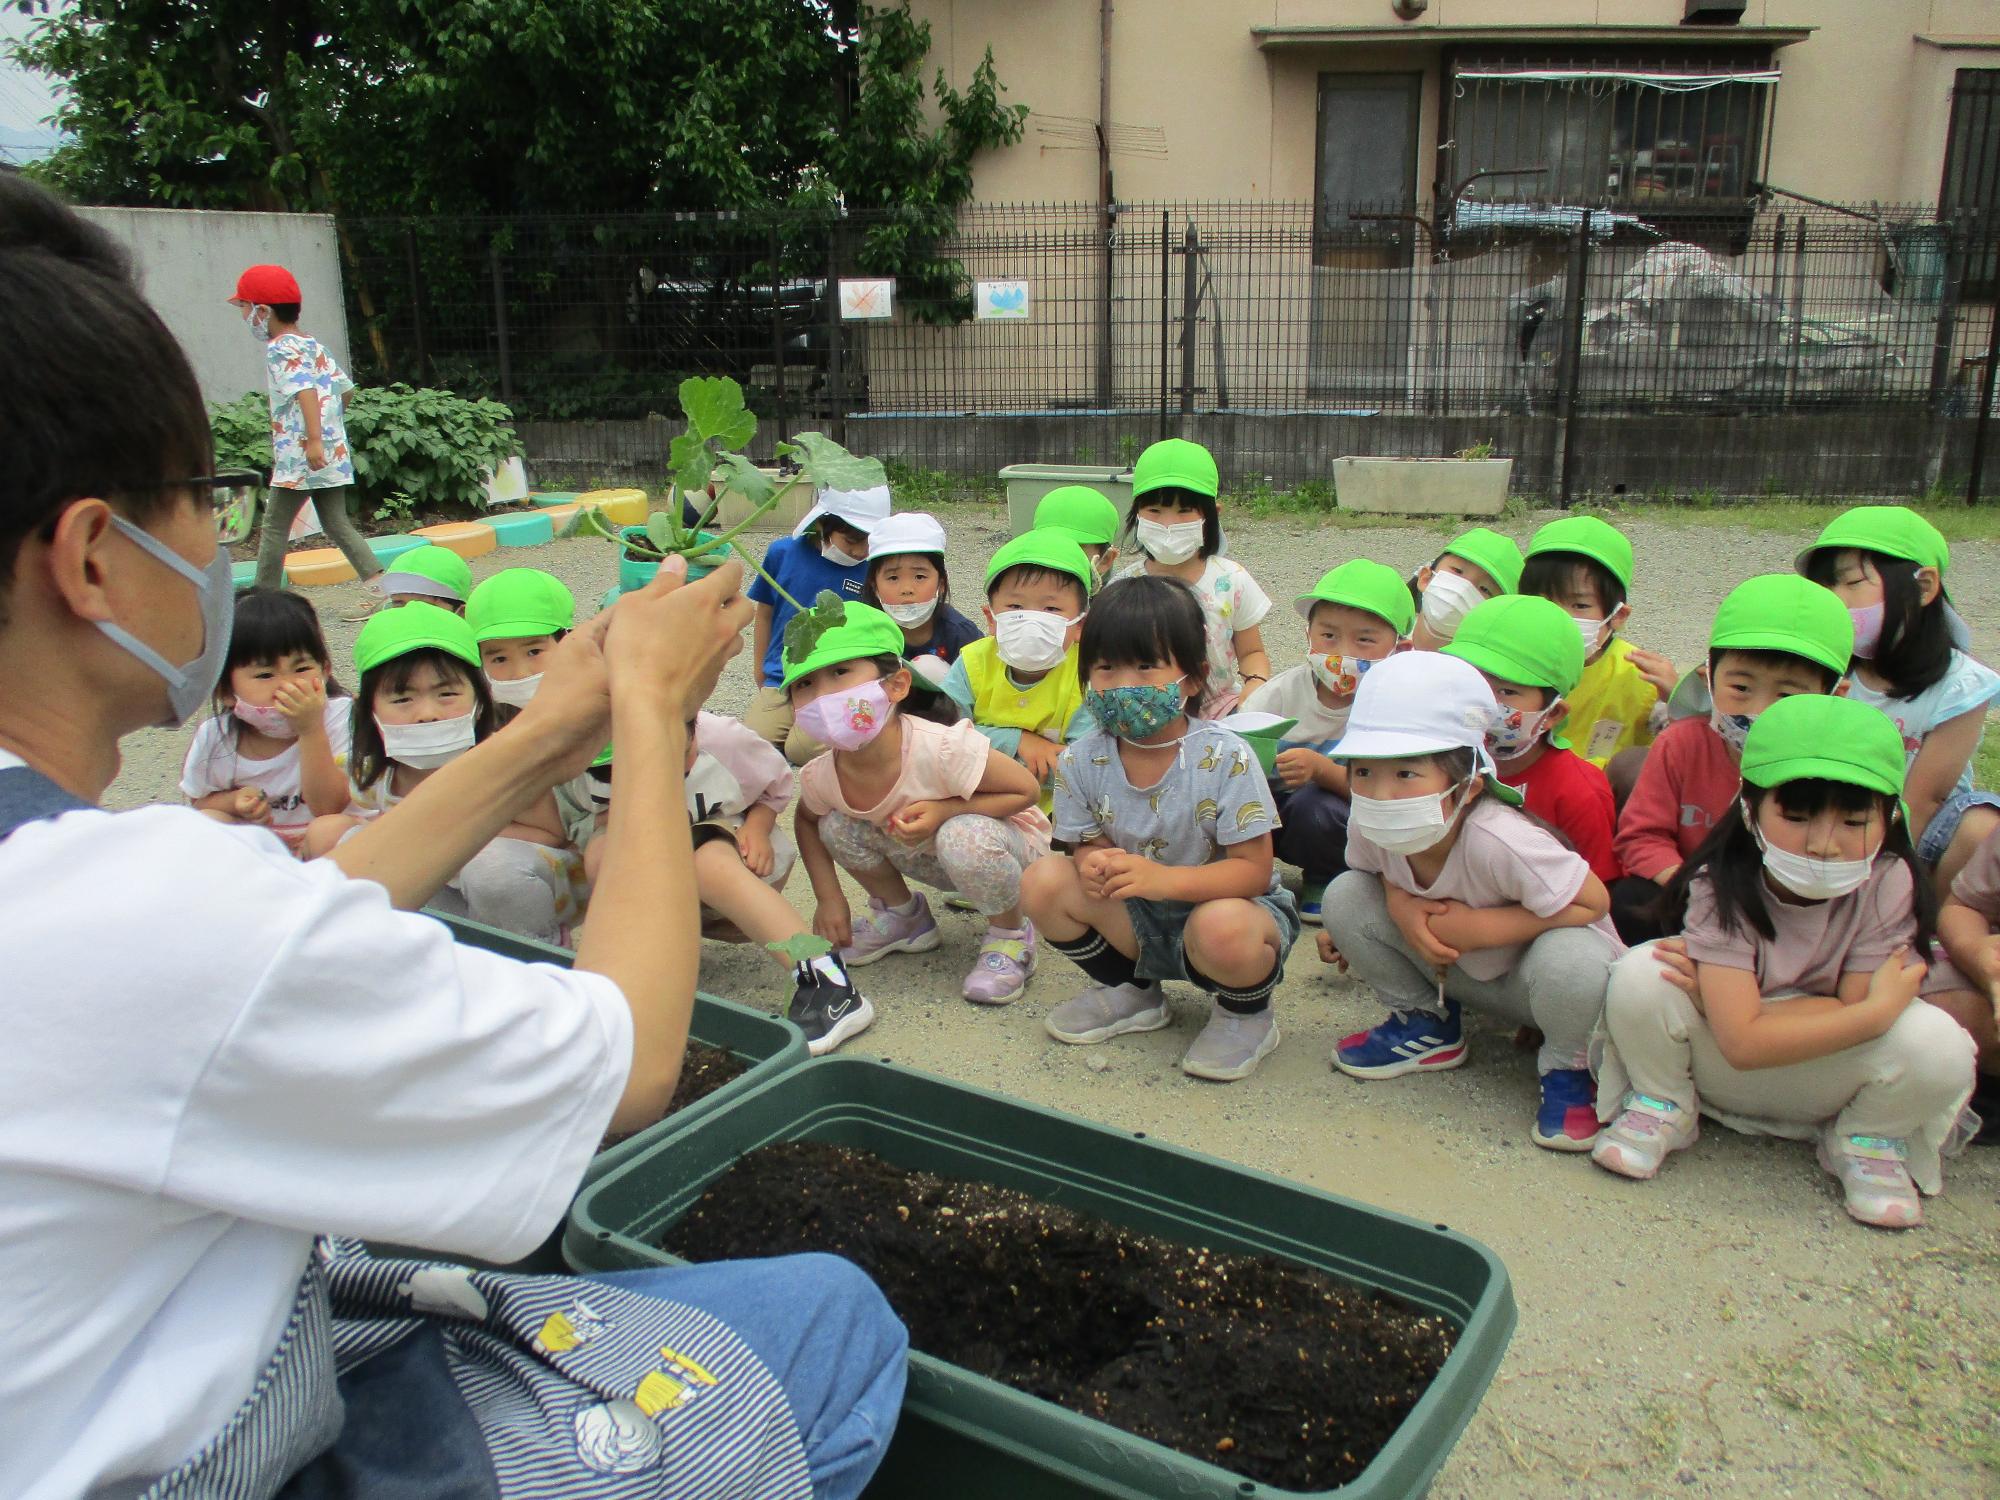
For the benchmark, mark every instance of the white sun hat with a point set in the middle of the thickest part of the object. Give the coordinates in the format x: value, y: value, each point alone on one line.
x: 1418, y: 703
x: 912, y: 531
x: 864, y: 510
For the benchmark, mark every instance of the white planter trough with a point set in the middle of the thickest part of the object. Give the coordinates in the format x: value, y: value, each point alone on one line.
x: 735, y: 507
x: 1027, y: 483
x: 1422, y: 486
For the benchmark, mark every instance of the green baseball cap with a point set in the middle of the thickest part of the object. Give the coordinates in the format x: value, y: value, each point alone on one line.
x: 1587, y: 536
x: 429, y: 569
x: 1815, y: 735
x: 1082, y: 512
x: 1361, y: 584
x: 1178, y: 463
x: 1892, y: 530
x: 1051, y: 547
x: 836, y: 630
x: 519, y: 602
x: 1495, y: 553
x: 1522, y: 638
x: 417, y: 626
x: 1784, y: 612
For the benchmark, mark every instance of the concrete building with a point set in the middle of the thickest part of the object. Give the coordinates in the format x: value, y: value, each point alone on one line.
x: 1627, y: 102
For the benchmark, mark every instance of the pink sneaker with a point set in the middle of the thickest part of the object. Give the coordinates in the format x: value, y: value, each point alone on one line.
x: 887, y: 932
x: 1005, y: 961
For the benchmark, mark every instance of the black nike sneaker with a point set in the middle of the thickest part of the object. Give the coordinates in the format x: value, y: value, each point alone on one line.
x: 827, y: 1010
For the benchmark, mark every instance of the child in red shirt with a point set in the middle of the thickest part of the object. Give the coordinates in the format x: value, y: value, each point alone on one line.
x: 1532, y: 656
x: 1775, y: 637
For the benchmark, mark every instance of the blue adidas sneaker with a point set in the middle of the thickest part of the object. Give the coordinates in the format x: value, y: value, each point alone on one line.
x: 1415, y: 1042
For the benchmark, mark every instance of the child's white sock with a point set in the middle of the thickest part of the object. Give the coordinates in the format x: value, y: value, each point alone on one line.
x: 828, y: 968
x: 907, y: 908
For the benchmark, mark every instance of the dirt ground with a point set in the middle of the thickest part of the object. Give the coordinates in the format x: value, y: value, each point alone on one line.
x: 1725, y: 1330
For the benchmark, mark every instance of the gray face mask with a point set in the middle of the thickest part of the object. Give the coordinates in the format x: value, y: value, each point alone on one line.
x: 189, y: 686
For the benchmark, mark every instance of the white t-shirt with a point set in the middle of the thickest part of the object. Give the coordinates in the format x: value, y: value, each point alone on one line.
x: 215, y: 1053
x: 1294, y: 694
x: 1500, y: 859
x: 1231, y: 600
x: 214, y: 764
x: 1966, y: 685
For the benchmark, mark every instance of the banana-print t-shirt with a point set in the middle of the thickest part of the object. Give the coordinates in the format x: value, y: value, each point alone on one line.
x: 1213, y: 795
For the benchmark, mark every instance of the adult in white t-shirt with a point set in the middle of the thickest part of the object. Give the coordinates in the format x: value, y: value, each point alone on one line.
x: 217, y: 1055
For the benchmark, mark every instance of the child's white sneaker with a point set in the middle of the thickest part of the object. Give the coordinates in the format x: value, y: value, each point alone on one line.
x: 1108, y: 1010
x: 1646, y: 1132
x: 1231, y: 1044
x: 1873, y: 1179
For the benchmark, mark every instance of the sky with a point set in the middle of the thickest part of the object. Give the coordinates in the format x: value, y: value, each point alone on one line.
x: 25, y: 98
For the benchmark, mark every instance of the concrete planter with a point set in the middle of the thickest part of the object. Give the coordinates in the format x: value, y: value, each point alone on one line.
x: 1027, y: 483
x: 735, y: 507
x: 1422, y: 486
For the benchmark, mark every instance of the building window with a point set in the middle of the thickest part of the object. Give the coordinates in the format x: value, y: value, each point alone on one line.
x: 1651, y: 136
x: 1970, y: 193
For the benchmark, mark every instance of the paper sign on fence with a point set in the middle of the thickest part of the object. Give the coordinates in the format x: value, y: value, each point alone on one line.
x: 867, y: 299
x: 1000, y: 300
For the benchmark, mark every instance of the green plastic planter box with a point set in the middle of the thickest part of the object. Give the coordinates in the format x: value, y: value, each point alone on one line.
x: 984, y: 1440
x: 770, y: 1044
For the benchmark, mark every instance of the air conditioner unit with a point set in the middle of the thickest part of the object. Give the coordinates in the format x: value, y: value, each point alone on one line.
x: 1714, y: 12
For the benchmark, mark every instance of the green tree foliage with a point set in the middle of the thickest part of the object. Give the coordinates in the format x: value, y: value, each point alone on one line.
x: 377, y: 107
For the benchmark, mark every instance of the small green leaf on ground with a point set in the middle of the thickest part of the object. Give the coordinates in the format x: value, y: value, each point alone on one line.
x: 801, y: 947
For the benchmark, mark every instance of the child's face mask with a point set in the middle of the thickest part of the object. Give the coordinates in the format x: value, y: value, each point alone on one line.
x: 1404, y: 825
x: 1135, y: 711
x: 1170, y: 543
x: 1448, y: 599
x: 516, y: 692
x: 258, y: 321
x: 1031, y: 640
x: 265, y: 719
x: 1520, y: 728
x: 425, y: 747
x: 846, y: 718
x: 1339, y: 675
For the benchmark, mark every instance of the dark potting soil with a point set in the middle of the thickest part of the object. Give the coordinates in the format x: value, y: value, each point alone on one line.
x: 1273, y: 1372
x: 704, y: 1069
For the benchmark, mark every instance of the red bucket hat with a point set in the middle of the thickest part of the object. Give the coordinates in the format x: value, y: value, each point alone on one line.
x: 270, y: 285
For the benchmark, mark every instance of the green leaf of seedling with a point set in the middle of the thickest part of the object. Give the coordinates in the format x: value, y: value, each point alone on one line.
x: 801, y: 947
x: 692, y: 459
x: 803, y: 630
x: 749, y: 481
x: 660, y: 530
x: 715, y: 409
x: 829, y: 466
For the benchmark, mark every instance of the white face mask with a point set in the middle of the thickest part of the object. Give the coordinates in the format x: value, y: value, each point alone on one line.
x: 515, y: 693
x: 259, y: 324
x: 1806, y: 877
x: 1403, y: 825
x: 1447, y: 600
x: 425, y: 747
x: 1030, y: 640
x: 909, y: 615
x: 1171, y: 544
x: 838, y: 558
x: 1592, y: 632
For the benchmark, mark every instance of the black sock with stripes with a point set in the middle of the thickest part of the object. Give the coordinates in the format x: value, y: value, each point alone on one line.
x: 1247, y: 1001
x: 1094, y: 954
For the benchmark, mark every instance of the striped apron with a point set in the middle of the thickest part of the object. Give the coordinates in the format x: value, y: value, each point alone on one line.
x: 415, y: 1380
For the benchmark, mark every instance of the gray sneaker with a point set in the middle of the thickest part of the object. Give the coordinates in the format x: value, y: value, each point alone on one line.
x: 1231, y: 1045
x: 1108, y: 1010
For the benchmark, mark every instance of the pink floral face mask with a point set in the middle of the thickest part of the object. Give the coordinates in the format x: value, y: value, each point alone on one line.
x: 846, y: 718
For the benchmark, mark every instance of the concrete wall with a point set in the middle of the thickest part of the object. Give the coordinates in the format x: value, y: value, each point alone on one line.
x: 188, y: 262
x: 1202, y: 113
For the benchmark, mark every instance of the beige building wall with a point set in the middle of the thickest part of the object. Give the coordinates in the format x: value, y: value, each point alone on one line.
x: 1202, y: 112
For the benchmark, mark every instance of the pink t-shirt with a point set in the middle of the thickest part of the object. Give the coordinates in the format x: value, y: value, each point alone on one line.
x: 1816, y: 943
x: 1500, y: 859
x: 761, y: 773
x: 939, y: 761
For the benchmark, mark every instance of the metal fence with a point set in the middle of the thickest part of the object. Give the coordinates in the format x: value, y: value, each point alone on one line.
x: 1783, y: 347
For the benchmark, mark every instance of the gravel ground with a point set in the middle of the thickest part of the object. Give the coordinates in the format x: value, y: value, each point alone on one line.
x: 1724, y: 1331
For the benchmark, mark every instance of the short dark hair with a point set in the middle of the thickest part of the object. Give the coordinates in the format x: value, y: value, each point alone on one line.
x: 1734, y: 864
x: 1916, y: 645
x: 1211, y: 517
x: 1027, y: 573
x: 1547, y: 574
x: 366, y: 758
x: 284, y: 312
x: 1828, y: 678
x: 1147, y: 618
x: 73, y: 423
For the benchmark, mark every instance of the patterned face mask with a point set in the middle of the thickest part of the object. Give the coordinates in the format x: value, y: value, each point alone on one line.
x: 1518, y: 729
x: 846, y: 718
x: 1136, y: 712
x: 1339, y: 675
x: 1734, y: 728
